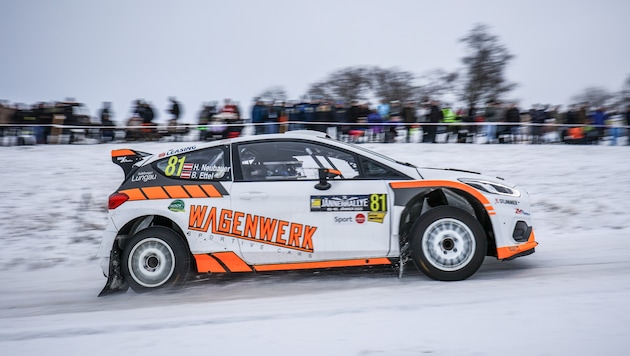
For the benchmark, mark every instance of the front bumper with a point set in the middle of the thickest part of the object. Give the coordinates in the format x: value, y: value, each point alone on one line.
x: 524, y: 249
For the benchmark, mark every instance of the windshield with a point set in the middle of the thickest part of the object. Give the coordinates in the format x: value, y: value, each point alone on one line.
x: 380, y: 155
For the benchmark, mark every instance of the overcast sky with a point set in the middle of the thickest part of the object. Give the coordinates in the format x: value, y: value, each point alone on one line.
x: 121, y: 50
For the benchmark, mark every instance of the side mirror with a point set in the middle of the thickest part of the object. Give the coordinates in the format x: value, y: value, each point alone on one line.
x: 324, y: 175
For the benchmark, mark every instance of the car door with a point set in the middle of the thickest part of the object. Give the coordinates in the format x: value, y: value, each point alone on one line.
x: 286, y: 216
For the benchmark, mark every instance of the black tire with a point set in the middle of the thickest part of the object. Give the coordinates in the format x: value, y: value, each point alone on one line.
x: 155, y: 257
x: 448, y: 244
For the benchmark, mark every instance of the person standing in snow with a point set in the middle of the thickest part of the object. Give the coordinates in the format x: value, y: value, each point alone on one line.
x: 258, y: 113
x: 513, y: 117
x: 434, y: 117
x: 599, y: 120
x: 106, y: 114
x: 175, y: 109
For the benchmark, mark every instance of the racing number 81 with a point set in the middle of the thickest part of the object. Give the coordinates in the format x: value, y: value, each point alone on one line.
x: 174, y: 164
x: 378, y: 202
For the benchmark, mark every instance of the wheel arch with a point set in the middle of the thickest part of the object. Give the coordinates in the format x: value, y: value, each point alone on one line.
x: 115, y: 280
x: 142, y: 222
x: 428, y: 199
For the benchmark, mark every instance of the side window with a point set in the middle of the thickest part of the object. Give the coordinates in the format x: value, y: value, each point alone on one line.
x: 211, y: 164
x: 374, y: 170
x: 293, y: 160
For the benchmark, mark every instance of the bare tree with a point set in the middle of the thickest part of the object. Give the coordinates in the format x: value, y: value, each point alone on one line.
x: 321, y: 90
x: 593, y: 96
x: 435, y: 84
x: 393, y: 84
x: 352, y: 83
x: 276, y: 93
x: 484, y: 79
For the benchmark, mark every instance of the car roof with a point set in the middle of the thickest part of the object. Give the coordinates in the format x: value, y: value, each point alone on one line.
x: 309, y: 135
x: 299, y: 134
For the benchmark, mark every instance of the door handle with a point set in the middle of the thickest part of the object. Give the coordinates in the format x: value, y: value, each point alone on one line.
x: 253, y: 195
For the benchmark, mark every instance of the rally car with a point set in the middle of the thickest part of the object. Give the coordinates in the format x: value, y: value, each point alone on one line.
x: 301, y: 200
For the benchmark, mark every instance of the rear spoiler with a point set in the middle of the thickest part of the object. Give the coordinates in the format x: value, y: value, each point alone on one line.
x: 126, y: 158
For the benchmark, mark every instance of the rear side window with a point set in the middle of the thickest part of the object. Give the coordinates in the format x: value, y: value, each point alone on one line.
x: 211, y: 164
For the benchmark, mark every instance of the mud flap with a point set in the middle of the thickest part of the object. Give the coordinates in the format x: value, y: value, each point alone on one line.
x: 404, y: 257
x: 115, y: 281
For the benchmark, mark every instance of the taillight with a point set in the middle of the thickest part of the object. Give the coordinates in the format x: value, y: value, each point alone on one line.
x: 116, y: 200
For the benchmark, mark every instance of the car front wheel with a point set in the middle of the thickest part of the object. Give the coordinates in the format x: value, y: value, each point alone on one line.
x: 155, y: 257
x: 448, y: 244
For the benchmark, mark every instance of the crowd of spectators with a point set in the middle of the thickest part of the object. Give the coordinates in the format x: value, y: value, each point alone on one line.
x: 358, y: 121
x: 41, y: 119
x: 495, y: 122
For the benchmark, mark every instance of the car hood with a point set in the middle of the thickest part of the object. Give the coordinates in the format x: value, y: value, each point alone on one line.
x: 456, y: 174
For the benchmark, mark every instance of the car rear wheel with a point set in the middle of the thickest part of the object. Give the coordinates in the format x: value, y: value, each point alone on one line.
x: 448, y: 244
x: 155, y: 257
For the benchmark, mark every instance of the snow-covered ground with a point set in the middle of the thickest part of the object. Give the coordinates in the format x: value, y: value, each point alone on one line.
x: 572, y: 297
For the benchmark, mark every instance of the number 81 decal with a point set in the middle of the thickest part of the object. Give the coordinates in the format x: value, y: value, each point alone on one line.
x: 175, y: 166
x: 378, y: 202
x: 378, y: 208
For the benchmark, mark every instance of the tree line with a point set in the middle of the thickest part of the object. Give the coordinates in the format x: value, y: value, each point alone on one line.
x: 481, y: 80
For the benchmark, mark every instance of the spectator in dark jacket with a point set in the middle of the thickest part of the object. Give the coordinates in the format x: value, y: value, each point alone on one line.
x: 144, y: 111
x: 175, y: 109
x: 435, y: 116
x: 599, y: 119
x: 272, y: 119
x: 106, y: 114
x: 354, y: 112
x: 513, y: 117
x: 258, y: 116
x: 537, y: 116
x: 323, y: 113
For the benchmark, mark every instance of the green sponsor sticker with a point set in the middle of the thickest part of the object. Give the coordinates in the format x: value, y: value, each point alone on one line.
x: 177, y: 206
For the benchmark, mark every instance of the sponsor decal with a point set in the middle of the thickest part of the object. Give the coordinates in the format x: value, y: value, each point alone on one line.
x: 521, y: 212
x: 177, y: 151
x: 143, y: 176
x: 340, y: 203
x: 375, y: 216
x: 367, y: 202
x: 343, y: 219
x: 506, y: 201
x: 360, y: 218
x: 186, y: 170
x: 177, y: 206
x: 124, y: 159
x: 250, y: 227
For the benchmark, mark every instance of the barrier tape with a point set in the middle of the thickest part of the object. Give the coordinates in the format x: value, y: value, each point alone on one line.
x: 197, y: 126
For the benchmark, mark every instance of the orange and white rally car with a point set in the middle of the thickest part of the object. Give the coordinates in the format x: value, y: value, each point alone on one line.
x: 301, y: 200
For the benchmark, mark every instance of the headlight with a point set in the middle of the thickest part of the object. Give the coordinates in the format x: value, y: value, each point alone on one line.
x: 491, y: 187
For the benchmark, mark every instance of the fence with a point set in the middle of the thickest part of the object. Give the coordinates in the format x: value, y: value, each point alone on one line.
x: 469, y: 132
